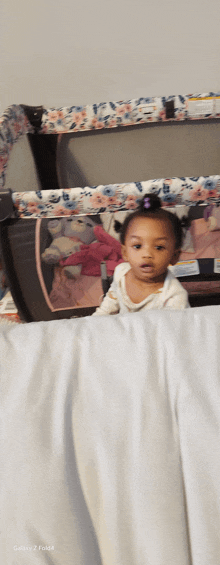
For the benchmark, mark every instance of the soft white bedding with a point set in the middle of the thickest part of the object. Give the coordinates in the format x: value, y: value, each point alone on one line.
x: 110, y: 440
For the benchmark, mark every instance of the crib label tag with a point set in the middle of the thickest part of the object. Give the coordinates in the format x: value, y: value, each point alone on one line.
x: 216, y: 266
x: 186, y: 268
x: 200, y: 107
x: 217, y: 106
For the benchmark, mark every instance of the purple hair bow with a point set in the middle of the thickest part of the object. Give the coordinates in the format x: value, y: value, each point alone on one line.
x: 147, y: 202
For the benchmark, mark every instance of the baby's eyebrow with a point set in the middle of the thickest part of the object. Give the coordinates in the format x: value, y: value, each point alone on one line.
x: 135, y: 238
x: 156, y: 239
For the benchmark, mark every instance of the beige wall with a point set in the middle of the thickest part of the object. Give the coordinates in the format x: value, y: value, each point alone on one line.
x: 21, y: 172
x: 84, y: 51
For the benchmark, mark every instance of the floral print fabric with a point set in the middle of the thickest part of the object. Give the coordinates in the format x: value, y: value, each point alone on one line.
x: 13, y: 124
x: 123, y: 113
x: 116, y: 197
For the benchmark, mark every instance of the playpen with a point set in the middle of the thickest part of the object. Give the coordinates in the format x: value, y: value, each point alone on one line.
x: 38, y: 227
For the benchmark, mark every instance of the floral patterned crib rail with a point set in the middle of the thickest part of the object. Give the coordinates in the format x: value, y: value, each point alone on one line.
x: 116, y: 197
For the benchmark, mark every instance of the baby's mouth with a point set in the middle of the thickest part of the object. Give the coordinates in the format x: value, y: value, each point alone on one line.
x: 146, y: 267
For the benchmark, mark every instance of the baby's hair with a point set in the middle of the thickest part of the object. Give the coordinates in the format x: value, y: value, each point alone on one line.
x: 150, y: 207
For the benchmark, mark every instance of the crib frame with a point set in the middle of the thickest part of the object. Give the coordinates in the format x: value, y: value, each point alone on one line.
x: 43, y: 126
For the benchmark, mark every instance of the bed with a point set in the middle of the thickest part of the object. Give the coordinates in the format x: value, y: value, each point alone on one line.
x: 110, y: 440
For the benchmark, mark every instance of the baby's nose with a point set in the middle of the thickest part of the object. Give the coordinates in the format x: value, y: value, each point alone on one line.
x: 147, y: 252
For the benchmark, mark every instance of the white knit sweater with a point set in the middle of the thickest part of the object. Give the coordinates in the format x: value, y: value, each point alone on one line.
x: 171, y: 296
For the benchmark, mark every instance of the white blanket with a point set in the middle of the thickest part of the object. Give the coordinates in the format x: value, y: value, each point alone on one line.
x: 110, y: 440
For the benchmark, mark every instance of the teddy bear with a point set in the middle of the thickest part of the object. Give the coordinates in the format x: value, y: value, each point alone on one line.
x: 68, y: 235
x: 105, y: 249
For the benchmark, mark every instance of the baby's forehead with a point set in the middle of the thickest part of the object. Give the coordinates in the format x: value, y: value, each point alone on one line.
x: 148, y: 226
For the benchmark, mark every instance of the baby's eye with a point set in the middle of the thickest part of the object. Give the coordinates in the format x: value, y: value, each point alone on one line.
x: 159, y: 247
x: 137, y: 246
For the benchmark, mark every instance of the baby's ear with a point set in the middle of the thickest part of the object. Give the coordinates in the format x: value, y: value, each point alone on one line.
x: 175, y: 257
x: 123, y: 252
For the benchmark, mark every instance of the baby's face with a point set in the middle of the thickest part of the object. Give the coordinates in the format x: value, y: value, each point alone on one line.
x: 149, y: 248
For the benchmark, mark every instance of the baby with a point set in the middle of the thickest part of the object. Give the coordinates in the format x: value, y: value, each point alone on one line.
x: 151, y: 240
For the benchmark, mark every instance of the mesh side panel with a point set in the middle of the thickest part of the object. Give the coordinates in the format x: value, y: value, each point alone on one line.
x: 18, y: 249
